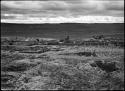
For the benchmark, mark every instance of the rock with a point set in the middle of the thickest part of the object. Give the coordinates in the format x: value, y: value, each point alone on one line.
x: 107, y: 66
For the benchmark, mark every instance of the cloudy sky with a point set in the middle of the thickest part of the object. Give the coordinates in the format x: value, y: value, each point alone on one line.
x: 58, y: 11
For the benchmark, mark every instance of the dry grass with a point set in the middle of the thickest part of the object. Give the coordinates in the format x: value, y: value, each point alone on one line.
x: 52, y: 71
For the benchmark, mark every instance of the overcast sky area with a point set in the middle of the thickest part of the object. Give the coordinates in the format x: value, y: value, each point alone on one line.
x: 58, y: 11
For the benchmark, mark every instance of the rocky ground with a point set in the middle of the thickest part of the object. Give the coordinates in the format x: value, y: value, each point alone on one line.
x: 54, y: 67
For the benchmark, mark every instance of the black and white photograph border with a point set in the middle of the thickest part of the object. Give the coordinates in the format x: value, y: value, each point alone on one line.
x: 62, y: 45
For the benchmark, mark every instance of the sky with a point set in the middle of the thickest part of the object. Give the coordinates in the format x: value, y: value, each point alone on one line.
x: 60, y: 11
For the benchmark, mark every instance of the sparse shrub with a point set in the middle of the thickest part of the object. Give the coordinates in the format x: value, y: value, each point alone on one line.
x: 74, y: 73
x: 8, y: 58
x: 77, y: 80
x: 17, y: 67
x: 87, y: 54
x: 48, y: 67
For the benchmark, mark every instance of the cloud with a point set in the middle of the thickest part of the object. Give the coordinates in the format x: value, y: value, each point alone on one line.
x: 21, y: 4
x: 115, y: 5
x: 34, y: 5
x: 61, y: 8
x: 80, y: 19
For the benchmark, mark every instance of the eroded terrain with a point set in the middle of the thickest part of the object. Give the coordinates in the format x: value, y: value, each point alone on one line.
x: 60, y: 67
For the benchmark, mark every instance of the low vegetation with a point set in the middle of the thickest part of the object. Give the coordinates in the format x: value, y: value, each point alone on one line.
x: 61, y: 67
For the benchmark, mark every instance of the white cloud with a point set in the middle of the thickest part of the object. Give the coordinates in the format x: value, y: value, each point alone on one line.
x: 22, y: 4
x: 35, y: 4
x: 46, y: 9
x: 80, y: 19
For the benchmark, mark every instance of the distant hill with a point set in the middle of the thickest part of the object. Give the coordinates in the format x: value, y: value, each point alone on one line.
x: 75, y: 30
